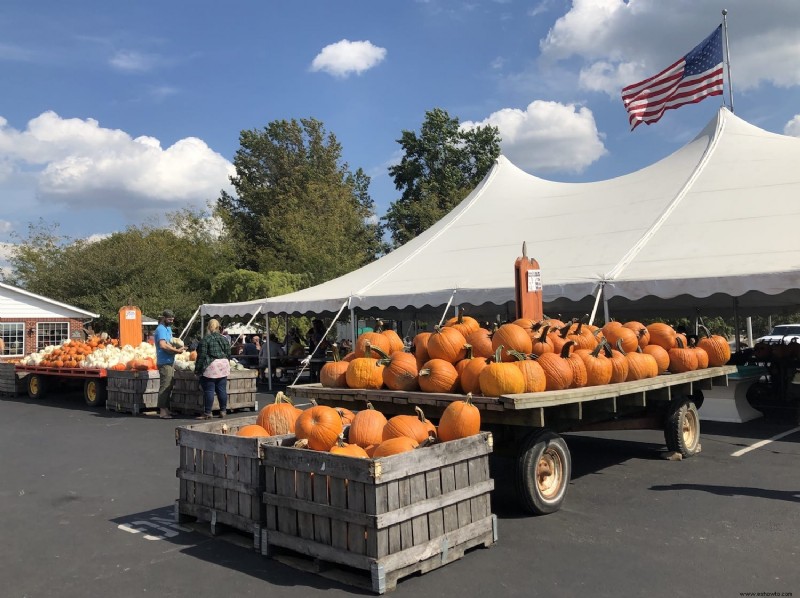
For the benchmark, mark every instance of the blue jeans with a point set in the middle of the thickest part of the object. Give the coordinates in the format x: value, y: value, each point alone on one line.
x: 211, y: 386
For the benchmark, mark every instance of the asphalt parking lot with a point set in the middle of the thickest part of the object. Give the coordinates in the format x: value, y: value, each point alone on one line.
x: 86, y: 503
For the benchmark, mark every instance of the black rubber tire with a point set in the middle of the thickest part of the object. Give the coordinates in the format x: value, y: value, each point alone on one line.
x: 682, y: 429
x: 544, y: 468
x: 95, y: 392
x: 36, y: 385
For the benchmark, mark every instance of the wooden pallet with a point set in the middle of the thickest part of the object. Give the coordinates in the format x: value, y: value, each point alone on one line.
x: 132, y: 391
x: 187, y: 397
x: 221, y: 476
x: 387, y: 518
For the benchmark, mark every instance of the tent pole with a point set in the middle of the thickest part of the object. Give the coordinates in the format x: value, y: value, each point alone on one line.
x: 269, y: 354
x: 447, y: 307
x: 605, y: 311
x: 353, y: 325
x: 596, y: 302
x: 736, y: 323
x: 189, y: 323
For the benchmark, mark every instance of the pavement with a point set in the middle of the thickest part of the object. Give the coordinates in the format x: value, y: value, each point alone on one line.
x: 86, y: 509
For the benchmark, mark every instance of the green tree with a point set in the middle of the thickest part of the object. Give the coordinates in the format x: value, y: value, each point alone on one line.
x: 152, y: 268
x: 439, y: 168
x: 297, y: 207
x: 245, y: 285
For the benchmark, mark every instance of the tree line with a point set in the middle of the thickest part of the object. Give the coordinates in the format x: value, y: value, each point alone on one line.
x: 300, y: 216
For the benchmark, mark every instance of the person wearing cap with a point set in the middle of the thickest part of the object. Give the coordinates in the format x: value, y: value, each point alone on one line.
x: 165, y: 360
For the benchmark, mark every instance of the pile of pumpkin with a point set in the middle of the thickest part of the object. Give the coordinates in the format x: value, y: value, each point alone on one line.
x: 520, y: 357
x: 69, y: 354
x: 369, y: 434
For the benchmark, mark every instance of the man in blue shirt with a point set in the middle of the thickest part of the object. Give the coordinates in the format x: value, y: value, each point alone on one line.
x: 165, y: 360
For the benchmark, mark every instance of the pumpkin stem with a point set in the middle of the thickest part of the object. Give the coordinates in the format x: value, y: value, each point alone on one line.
x: 282, y: 398
x: 431, y: 439
x: 468, y: 399
x: 469, y: 354
x: 597, y: 349
x: 369, y: 406
x: 420, y: 415
x: 566, y: 349
x: 498, y: 354
x: 679, y: 342
x: 517, y: 355
x: 340, y: 440
x: 619, y: 346
x: 705, y: 329
x: 543, y: 335
x: 301, y: 443
x: 335, y: 352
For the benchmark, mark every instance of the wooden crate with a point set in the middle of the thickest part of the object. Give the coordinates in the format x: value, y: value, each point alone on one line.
x: 222, y: 476
x: 388, y: 517
x: 187, y: 397
x: 132, y: 391
x: 12, y: 383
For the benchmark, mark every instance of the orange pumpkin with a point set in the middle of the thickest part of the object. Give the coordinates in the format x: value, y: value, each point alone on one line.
x: 320, y: 425
x: 662, y: 334
x: 394, y: 446
x: 717, y: 347
x: 419, y: 347
x: 464, y: 324
x: 400, y: 371
x: 512, y: 338
x: 375, y: 339
x: 348, y: 450
x: 481, y: 342
x: 682, y: 359
x: 661, y: 356
x: 447, y: 344
x: 500, y: 378
x: 557, y: 370
x: 438, y: 375
x: 367, y: 427
x: 469, y: 379
x: 460, y: 419
x: 279, y: 417
x: 333, y: 374
x: 598, y: 366
x: 365, y: 372
x: 406, y: 425
x: 252, y: 430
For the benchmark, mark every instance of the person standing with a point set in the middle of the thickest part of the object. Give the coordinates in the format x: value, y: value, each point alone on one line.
x: 165, y: 360
x: 213, y: 366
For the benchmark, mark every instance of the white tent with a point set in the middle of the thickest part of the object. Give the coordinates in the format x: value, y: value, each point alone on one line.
x: 716, y: 219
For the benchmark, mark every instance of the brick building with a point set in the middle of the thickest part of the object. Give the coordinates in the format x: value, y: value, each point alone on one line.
x: 30, y: 322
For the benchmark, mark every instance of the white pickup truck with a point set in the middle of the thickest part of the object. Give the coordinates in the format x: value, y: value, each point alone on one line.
x: 783, y: 333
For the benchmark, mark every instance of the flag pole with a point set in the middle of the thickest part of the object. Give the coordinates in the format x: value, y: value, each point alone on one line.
x: 727, y: 54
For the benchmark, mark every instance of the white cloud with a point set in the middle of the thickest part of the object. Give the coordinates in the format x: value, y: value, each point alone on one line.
x: 793, y: 127
x: 6, y: 226
x: 78, y: 162
x: 133, y: 61
x: 345, y: 57
x: 622, y: 41
x: 547, y: 136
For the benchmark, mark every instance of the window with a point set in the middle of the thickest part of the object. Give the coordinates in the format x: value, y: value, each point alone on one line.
x: 13, y: 335
x: 51, y: 333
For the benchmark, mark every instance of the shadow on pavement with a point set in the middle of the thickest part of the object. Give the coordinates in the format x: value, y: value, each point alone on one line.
x: 787, y: 495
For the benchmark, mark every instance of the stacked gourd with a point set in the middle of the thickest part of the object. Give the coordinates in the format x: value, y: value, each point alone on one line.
x: 369, y: 433
x: 520, y: 357
x: 71, y: 353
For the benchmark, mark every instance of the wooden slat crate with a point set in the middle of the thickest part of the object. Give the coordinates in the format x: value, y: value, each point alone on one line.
x: 222, y: 476
x: 12, y: 382
x: 188, y: 398
x: 132, y: 391
x: 388, y: 517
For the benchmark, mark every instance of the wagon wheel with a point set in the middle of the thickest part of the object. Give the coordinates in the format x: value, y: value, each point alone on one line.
x: 94, y: 392
x: 682, y: 430
x: 37, y: 386
x: 544, y: 467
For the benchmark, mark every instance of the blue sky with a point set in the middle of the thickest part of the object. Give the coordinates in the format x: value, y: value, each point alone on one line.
x: 114, y: 113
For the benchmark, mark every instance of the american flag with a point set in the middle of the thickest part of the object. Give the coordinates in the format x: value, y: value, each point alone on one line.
x: 690, y: 80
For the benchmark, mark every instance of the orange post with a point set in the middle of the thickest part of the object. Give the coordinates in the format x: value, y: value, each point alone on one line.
x: 130, y: 326
x: 528, y: 287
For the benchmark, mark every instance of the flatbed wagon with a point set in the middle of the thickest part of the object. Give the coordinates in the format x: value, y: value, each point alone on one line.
x: 531, y: 422
x: 39, y: 379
